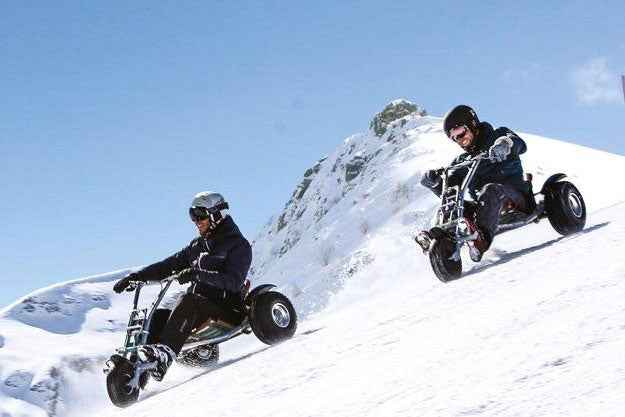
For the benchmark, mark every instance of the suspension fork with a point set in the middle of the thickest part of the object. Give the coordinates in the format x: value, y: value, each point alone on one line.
x: 146, y: 324
x: 137, y: 332
x: 463, y: 188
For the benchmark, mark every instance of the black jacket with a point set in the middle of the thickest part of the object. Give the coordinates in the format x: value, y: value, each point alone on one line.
x: 508, y: 172
x: 223, y: 259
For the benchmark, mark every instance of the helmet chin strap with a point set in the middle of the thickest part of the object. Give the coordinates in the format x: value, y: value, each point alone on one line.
x: 214, y: 220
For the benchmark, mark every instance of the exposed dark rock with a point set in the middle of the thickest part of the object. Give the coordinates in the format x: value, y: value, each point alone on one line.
x: 354, y: 167
x: 300, y: 190
x: 395, y: 110
x: 18, y: 379
x: 281, y: 221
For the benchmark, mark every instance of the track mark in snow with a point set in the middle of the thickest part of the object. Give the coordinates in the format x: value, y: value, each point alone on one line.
x: 474, y: 410
x: 307, y: 332
x: 209, y: 370
x: 557, y: 362
x: 505, y: 257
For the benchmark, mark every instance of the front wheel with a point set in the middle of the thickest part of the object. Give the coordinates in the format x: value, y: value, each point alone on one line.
x: 117, y: 380
x: 445, y: 268
x: 273, y: 318
x: 565, y: 207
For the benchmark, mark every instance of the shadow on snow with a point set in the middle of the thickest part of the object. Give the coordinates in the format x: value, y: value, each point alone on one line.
x: 507, y: 257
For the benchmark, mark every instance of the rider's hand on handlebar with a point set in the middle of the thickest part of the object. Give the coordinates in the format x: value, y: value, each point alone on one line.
x: 431, y: 178
x: 500, y: 149
x: 124, y: 283
x: 188, y: 275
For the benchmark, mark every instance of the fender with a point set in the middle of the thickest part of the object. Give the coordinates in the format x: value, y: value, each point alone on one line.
x: 258, y: 291
x: 552, y: 179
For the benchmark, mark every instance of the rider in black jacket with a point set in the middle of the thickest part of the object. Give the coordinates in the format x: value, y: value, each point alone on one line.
x: 215, y: 263
x: 497, y: 183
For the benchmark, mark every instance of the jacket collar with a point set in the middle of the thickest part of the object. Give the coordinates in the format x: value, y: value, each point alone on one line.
x: 485, y: 130
x: 226, y: 227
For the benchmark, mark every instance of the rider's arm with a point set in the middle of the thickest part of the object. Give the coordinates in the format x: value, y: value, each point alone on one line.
x: 456, y: 174
x: 518, y: 144
x: 233, y: 276
x: 160, y: 270
x: 432, y: 180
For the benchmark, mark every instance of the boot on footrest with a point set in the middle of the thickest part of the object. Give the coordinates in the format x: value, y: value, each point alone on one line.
x: 424, y: 239
x: 161, y: 354
x: 477, y: 244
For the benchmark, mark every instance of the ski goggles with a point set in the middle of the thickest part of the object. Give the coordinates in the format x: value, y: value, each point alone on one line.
x: 198, y: 213
x: 457, y: 132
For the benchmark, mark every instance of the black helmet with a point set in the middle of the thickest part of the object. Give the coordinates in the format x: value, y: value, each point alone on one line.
x: 461, y: 115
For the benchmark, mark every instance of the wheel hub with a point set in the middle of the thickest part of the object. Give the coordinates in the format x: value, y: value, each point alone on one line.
x: 280, y: 315
x: 204, y: 352
x: 576, y: 205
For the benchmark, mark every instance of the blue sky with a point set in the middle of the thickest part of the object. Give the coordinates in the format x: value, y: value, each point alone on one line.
x: 113, y: 114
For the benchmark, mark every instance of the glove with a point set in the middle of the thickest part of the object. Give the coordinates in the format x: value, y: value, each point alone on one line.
x: 431, y: 178
x: 188, y: 275
x: 500, y: 149
x: 123, y: 283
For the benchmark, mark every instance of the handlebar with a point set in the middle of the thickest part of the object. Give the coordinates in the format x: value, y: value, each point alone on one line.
x: 480, y: 156
x: 137, y: 284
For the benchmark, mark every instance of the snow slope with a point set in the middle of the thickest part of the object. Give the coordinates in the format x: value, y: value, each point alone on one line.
x: 535, y: 329
x: 539, y: 331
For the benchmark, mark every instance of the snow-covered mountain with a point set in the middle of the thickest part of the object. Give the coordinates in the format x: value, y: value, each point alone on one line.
x: 537, y: 328
x: 358, y: 208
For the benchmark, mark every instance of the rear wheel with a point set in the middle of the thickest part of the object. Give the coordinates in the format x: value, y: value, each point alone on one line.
x: 273, y: 318
x: 565, y: 207
x: 117, y: 380
x: 445, y: 268
x: 200, y: 356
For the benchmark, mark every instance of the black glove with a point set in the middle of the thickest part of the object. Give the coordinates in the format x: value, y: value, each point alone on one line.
x: 188, y: 275
x: 431, y: 179
x: 500, y: 149
x: 123, y: 283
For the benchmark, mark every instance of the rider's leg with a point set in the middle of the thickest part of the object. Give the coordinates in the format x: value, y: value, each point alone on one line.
x: 491, y: 200
x: 191, y: 310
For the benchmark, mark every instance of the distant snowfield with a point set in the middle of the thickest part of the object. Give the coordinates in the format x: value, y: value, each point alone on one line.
x: 536, y: 329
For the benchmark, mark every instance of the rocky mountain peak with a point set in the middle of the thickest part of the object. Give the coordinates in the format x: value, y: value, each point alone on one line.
x: 395, y: 110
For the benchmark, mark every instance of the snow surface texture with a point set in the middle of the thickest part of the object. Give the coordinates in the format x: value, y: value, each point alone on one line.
x: 536, y: 329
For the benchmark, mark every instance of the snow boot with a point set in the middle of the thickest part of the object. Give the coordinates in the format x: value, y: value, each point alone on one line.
x: 424, y: 239
x: 476, y: 241
x: 161, y: 354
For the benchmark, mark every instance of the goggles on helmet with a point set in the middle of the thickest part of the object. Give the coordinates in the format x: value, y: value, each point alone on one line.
x: 198, y: 213
x: 457, y: 132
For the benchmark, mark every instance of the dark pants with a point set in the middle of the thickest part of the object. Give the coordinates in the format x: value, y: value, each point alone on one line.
x: 191, y: 311
x: 492, y: 198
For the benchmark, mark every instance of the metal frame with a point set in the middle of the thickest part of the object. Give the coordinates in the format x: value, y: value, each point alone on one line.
x: 137, y: 331
x: 452, y: 204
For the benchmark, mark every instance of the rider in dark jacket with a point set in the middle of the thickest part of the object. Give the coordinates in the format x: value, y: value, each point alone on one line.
x: 497, y: 183
x: 215, y: 263
x: 507, y: 172
x: 221, y: 260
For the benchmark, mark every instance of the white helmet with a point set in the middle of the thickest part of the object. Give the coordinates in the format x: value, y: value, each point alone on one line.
x: 208, y: 204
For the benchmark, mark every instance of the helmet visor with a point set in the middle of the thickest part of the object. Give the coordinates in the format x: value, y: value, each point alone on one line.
x: 198, y: 213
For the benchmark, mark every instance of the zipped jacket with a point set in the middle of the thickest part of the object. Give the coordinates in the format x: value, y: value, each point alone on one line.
x: 508, y: 172
x: 223, y: 259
